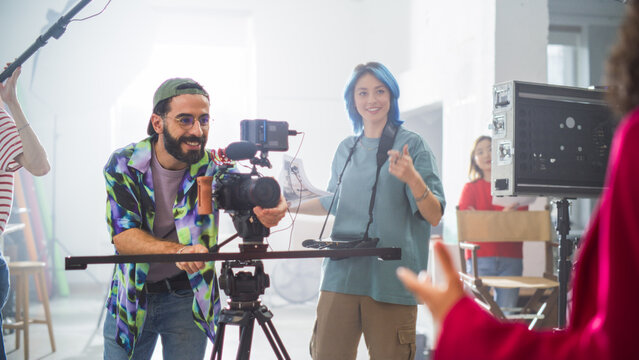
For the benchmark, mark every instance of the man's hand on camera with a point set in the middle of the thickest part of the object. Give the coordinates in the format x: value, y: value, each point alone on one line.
x: 271, y: 217
x: 192, y: 266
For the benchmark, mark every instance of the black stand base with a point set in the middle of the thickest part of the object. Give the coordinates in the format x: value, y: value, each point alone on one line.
x: 244, y: 314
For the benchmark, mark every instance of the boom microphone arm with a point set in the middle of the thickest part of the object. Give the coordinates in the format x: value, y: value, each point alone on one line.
x: 56, y: 30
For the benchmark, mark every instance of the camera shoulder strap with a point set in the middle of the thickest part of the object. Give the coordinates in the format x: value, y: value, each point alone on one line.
x: 385, y: 144
x: 339, y: 182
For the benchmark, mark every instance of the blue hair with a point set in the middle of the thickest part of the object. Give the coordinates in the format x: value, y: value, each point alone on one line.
x: 382, y: 74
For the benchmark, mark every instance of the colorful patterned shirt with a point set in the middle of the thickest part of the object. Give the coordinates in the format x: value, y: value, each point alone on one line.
x: 131, y: 204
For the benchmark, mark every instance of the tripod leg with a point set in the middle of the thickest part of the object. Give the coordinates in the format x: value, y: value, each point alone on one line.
x: 219, y: 342
x: 263, y: 316
x: 246, y: 337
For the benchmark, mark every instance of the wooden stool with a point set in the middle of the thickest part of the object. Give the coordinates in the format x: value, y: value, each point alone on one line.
x: 21, y: 270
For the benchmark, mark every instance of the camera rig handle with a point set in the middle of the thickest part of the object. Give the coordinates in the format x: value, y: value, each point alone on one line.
x: 204, y: 195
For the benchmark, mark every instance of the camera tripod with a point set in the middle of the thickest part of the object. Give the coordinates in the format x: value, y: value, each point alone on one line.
x: 243, y: 288
x: 244, y: 308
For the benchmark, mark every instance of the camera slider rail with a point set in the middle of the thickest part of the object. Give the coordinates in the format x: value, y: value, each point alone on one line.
x: 340, y: 244
x: 81, y: 262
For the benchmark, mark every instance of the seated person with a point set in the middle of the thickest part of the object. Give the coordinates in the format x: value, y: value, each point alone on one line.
x: 493, y: 258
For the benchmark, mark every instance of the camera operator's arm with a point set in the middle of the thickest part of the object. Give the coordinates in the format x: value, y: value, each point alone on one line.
x: 310, y: 207
x: 125, y: 217
x: 137, y: 241
x: 271, y: 217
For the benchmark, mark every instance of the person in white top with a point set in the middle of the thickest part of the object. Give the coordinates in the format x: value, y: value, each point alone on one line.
x: 19, y: 147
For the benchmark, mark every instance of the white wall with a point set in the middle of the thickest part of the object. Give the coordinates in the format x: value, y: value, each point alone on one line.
x: 306, y: 51
x: 98, y: 79
x: 597, y: 23
x: 96, y: 82
x: 459, y: 50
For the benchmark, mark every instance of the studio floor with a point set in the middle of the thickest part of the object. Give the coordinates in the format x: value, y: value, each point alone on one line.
x: 77, y: 323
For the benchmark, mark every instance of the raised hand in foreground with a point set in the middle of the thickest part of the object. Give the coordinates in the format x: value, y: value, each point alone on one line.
x: 439, y: 300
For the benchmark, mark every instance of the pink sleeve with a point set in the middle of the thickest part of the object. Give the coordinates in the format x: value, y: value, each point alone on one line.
x: 469, y: 332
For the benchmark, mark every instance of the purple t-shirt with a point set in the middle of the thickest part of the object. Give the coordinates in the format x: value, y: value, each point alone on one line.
x: 165, y: 187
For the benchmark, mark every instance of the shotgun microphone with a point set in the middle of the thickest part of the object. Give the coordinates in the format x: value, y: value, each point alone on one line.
x: 240, y: 150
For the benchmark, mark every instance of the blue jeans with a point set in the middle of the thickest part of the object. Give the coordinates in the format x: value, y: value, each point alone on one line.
x: 500, y: 266
x: 168, y: 316
x: 4, y: 295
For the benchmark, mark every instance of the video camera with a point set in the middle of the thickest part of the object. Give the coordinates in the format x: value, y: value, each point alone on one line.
x: 238, y: 193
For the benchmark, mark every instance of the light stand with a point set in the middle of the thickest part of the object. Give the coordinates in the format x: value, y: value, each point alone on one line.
x: 564, y: 265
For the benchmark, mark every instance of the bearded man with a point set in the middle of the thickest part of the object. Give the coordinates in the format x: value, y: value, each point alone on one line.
x: 152, y: 209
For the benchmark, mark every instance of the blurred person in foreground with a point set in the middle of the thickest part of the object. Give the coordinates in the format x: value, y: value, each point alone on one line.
x: 605, y: 295
x: 19, y: 147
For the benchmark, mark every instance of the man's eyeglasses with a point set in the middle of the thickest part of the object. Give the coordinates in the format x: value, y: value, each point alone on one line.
x: 187, y: 121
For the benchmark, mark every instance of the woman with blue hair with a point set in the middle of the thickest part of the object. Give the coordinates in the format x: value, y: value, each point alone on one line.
x: 386, y: 187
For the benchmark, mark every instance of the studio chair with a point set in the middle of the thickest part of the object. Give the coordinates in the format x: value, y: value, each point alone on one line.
x: 475, y: 227
x: 20, y: 272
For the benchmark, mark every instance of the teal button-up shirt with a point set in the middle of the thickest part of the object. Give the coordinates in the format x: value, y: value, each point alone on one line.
x: 397, y: 221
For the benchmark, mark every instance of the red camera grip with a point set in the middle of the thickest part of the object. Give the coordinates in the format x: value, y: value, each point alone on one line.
x: 204, y: 195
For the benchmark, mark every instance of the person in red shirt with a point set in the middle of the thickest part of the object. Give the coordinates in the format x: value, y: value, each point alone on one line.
x: 493, y: 258
x: 604, y: 309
